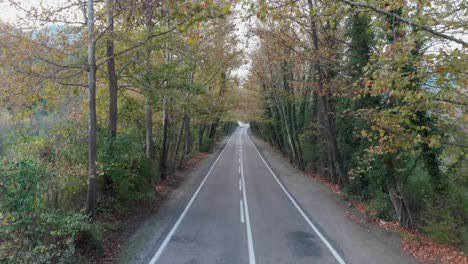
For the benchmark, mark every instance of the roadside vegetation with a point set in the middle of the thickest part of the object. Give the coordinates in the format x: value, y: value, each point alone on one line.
x: 99, y: 107
x: 370, y: 95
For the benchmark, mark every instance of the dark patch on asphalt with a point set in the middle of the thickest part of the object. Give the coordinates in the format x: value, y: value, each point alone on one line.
x: 181, y: 239
x: 221, y: 260
x: 303, y: 244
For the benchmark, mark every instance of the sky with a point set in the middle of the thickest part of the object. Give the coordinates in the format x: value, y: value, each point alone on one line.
x: 247, y: 43
x: 12, y: 14
x: 7, y: 13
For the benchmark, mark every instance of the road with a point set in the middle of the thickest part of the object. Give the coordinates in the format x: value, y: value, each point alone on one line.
x: 241, y: 213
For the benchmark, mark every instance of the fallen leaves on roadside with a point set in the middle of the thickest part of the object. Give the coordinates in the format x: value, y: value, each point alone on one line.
x: 394, y: 225
x: 421, y: 247
x: 192, y: 163
x: 354, y: 218
x: 428, y: 251
x: 161, y: 187
x: 325, y: 181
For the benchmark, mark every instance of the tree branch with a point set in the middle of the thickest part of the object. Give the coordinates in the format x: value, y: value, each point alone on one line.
x: 405, y: 20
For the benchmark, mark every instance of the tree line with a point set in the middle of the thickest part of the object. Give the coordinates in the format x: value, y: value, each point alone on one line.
x: 372, y: 96
x: 107, y: 99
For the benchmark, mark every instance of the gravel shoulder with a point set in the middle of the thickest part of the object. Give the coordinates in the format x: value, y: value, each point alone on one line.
x: 357, y: 243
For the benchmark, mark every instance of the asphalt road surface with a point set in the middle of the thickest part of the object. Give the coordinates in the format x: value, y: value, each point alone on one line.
x: 241, y: 213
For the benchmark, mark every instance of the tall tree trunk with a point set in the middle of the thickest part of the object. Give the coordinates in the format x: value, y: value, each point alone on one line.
x: 326, y: 105
x: 284, y: 125
x: 91, y: 201
x: 111, y: 75
x: 333, y: 137
x: 300, y: 159
x: 213, y: 128
x: 315, y: 121
x: 149, y: 130
x: 331, y: 165
x: 188, y: 135
x: 288, y: 76
x: 149, y: 106
x: 112, y: 82
x: 275, y: 127
x: 303, y: 110
x: 164, y: 142
x: 186, y: 122
x: 201, y: 132
x: 179, y: 138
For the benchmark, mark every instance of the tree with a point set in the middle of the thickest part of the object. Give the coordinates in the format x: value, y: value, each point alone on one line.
x: 91, y: 201
x: 111, y: 74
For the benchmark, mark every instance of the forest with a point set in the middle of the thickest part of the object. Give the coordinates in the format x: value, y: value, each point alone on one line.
x: 102, y: 100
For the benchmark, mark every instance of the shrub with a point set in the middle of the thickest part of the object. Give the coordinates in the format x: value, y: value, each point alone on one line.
x: 123, y: 161
x: 31, y: 232
x: 381, y: 207
x: 441, y: 225
x: 208, y: 145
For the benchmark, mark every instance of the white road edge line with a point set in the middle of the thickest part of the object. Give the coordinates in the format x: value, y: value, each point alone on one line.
x: 247, y: 218
x: 324, y: 240
x: 242, y: 211
x: 166, y: 240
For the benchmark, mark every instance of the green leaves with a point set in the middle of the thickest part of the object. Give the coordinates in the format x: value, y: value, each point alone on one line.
x: 30, y: 230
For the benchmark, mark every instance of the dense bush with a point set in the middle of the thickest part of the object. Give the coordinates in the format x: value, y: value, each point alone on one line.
x: 31, y: 231
x: 208, y: 145
x: 123, y: 164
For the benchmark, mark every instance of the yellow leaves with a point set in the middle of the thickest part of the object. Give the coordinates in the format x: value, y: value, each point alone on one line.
x: 434, y: 142
x: 193, y: 39
x: 227, y: 9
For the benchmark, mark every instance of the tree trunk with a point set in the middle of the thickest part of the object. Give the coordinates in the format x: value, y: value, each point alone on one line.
x: 399, y: 203
x: 284, y: 125
x: 91, y: 201
x: 333, y: 137
x: 188, y: 136
x: 213, y: 128
x: 112, y: 82
x: 276, y: 129
x: 149, y: 130
x: 179, y: 138
x: 331, y: 166
x: 314, y: 138
x: 186, y: 122
x: 327, y: 106
x: 111, y: 75
x: 163, y: 151
x: 303, y: 111
x: 300, y: 159
x: 201, y: 132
